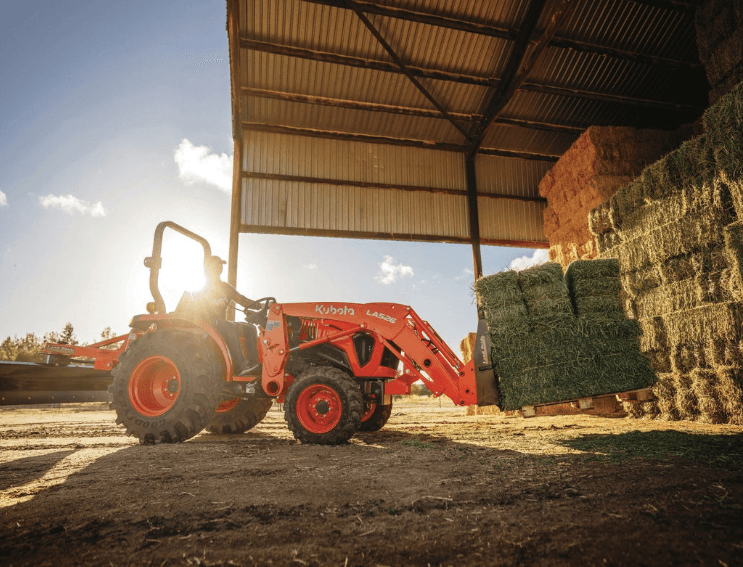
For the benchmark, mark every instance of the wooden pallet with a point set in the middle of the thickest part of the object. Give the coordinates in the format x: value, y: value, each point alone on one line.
x: 632, y: 396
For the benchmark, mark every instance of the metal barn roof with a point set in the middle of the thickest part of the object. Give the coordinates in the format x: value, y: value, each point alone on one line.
x: 436, y: 119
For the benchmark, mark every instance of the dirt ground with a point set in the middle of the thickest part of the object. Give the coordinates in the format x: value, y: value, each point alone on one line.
x: 434, y: 487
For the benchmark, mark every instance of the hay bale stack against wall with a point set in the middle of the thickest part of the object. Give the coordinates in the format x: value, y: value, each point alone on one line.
x: 678, y: 238
x: 719, y: 26
x: 601, y: 160
x: 544, y: 352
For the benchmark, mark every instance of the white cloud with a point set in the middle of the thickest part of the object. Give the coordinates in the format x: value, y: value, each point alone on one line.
x: 539, y: 257
x: 3, y: 199
x: 198, y: 164
x: 465, y: 275
x: 389, y: 272
x: 310, y: 266
x: 71, y: 204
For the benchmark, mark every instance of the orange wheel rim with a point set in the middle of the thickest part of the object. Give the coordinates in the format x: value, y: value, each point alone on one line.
x: 368, y: 412
x: 154, y: 386
x: 319, y: 408
x: 228, y: 405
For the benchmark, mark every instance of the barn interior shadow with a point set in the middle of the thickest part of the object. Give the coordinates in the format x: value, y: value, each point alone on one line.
x: 22, y: 471
x: 722, y: 451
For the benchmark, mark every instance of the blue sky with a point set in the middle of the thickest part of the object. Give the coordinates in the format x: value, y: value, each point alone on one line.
x: 97, y: 100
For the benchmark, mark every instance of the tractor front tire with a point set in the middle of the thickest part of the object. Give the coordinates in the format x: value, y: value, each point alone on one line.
x: 323, y: 406
x: 239, y: 415
x: 166, y: 387
x: 375, y: 417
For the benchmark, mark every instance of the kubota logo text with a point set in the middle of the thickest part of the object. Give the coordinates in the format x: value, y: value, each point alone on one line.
x: 331, y: 310
x: 382, y: 316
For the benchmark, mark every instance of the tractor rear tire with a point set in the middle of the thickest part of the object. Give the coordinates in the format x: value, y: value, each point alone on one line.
x: 323, y: 406
x: 166, y: 387
x: 376, y: 417
x: 239, y: 415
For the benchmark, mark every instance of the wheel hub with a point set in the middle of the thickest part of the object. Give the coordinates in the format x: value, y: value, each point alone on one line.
x: 319, y: 408
x: 154, y: 386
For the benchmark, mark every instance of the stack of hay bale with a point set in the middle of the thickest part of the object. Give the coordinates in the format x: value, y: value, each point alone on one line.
x: 677, y: 236
x: 553, y: 342
x: 601, y: 160
x: 719, y: 26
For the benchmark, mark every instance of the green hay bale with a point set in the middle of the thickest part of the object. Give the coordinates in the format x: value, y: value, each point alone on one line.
x: 544, y: 290
x: 729, y: 388
x: 665, y: 394
x: 704, y: 385
x: 588, y: 376
x: 595, y: 288
x: 501, y: 298
x: 686, y: 400
x: 572, y: 360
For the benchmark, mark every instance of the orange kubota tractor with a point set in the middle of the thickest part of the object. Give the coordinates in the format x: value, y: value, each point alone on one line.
x: 334, y: 366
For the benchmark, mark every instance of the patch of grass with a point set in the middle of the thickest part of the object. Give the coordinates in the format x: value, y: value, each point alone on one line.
x: 723, y: 451
x: 418, y: 443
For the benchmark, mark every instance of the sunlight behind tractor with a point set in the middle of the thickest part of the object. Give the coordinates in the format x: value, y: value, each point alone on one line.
x: 182, y: 269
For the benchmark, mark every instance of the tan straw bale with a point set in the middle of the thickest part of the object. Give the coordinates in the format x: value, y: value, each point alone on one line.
x: 704, y: 385
x: 665, y: 394
x: 730, y: 392
x: 686, y: 399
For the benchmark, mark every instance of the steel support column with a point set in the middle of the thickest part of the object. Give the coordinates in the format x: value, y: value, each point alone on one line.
x: 235, y: 216
x: 474, y: 217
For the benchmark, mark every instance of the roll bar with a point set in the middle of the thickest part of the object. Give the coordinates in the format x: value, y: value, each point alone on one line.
x: 154, y: 262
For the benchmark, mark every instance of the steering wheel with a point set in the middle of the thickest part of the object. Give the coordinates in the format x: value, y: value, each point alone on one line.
x: 260, y: 314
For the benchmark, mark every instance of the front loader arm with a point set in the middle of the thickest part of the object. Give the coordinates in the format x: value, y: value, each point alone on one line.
x: 425, y: 356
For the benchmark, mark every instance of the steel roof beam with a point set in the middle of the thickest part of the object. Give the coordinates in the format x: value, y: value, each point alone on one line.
x: 389, y: 140
x: 519, y: 63
x: 351, y: 5
x: 604, y: 97
x: 403, y: 110
x: 361, y: 62
x: 686, y: 6
x: 490, y: 30
x: 374, y: 185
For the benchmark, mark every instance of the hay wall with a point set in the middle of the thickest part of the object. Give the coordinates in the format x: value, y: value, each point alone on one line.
x: 719, y: 25
x: 677, y: 234
x: 601, y: 160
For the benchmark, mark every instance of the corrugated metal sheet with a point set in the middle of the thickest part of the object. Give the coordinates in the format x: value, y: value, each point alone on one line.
x: 507, y: 220
x: 283, y: 154
x: 519, y: 139
x: 506, y: 176
x: 351, y: 121
x: 293, y: 207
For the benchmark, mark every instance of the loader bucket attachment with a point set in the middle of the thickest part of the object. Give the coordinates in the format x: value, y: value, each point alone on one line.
x: 485, y: 379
